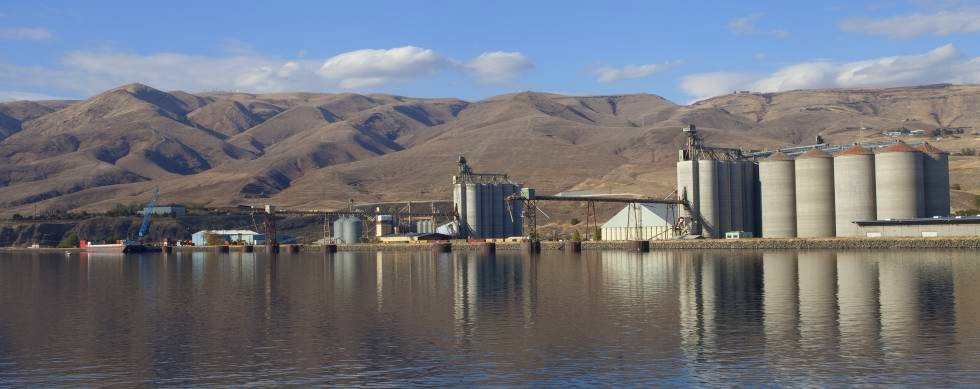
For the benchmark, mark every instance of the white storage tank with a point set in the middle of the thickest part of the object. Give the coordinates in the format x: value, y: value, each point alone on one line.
x: 473, y: 205
x: 935, y: 177
x: 777, y: 187
x: 815, y: 195
x: 687, y: 178
x: 898, y: 183
x: 736, y: 221
x: 708, y: 198
x: 854, y: 190
x: 725, y: 204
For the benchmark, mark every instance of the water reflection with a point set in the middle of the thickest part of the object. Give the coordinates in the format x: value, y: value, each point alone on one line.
x: 684, y: 317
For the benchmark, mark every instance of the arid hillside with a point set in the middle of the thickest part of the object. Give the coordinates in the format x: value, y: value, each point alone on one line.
x: 311, y: 149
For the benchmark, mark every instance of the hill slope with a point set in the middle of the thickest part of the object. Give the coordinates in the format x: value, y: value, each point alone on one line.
x: 309, y: 149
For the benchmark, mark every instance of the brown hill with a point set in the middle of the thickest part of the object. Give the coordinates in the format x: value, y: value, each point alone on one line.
x: 310, y: 149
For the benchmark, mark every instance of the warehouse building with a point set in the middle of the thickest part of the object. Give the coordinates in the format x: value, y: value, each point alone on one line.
x: 641, y: 222
x: 920, y: 227
x: 200, y: 238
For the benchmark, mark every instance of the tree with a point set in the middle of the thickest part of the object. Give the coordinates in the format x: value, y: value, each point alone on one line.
x: 598, y: 234
x: 574, y: 221
x: 576, y: 237
x: 69, y: 240
x: 17, y: 216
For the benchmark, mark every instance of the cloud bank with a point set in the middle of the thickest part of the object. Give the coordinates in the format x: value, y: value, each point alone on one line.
x: 89, y: 72
x: 908, y: 26
x: 944, y: 64
x: 610, y: 74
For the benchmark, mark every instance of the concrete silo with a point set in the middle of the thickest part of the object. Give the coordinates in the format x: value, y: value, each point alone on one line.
x: 749, y: 197
x: 815, y: 195
x: 687, y: 178
x: 725, y: 204
x: 898, y: 183
x: 854, y: 189
x: 736, y: 221
x: 777, y: 187
x: 935, y: 180
x: 708, y: 198
x: 474, y: 222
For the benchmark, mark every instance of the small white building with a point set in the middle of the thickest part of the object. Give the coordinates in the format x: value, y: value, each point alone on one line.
x: 641, y: 222
x: 200, y: 238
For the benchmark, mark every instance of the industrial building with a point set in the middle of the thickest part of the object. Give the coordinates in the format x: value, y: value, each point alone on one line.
x: 921, y: 227
x: 480, y: 200
x: 200, y: 238
x: 807, y: 192
x: 348, y: 229
x: 641, y: 222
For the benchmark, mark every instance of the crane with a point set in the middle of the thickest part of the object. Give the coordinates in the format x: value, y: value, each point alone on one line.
x: 147, y: 213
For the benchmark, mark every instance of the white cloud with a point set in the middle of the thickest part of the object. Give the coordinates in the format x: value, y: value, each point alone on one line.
x: 375, y: 67
x: 944, y: 64
x: 907, y: 26
x: 90, y: 72
x: 499, y: 66
x: 747, y: 25
x: 12, y: 95
x: 609, y: 74
x: 25, y: 33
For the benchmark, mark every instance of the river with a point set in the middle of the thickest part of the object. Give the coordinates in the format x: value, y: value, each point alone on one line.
x: 672, y: 318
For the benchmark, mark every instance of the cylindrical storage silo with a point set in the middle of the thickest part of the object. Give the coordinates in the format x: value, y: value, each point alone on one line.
x: 486, y: 210
x: 498, y: 210
x: 854, y: 189
x: 338, y: 229
x: 738, y: 196
x: 724, y: 197
x: 352, y: 230
x: 935, y: 180
x: 898, y: 182
x: 708, y: 198
x: 815, y: 195
x: 687, y: 176
x: 473, y: 222
x: 777, y: 190
x: 748, y: 198
x: 459, y: 202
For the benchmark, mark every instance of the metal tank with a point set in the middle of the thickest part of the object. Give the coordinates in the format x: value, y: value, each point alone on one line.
x: 738, y: 196
x: 898, y: 182
x: 815, y: 195
x: 348, y: 229
x: 854, y: 190
x: 725, y: 203
x: 473, y: 221
x: 424, y: 227
x: 518, y: 222
x: 708, y: 198
x: 935, y: 180
x: 687, y: 178
x: 777, y: 192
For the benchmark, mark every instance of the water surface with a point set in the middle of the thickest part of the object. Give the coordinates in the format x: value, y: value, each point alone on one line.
x: 670, y: 318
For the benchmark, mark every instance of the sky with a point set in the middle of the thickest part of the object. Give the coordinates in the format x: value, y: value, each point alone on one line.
x: 683, y: 51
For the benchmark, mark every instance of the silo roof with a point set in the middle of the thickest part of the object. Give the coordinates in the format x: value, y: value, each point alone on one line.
x: 900, y: 147
x: 815, y: 153
x: 855, y: 150
x: 779, y: 156
x: 928, y: 148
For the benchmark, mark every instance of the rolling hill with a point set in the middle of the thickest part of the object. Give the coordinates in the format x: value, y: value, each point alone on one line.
x: 313, y: 149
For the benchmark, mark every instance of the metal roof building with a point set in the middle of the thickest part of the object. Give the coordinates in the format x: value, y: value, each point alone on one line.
x: 641, y: 222
x: 200, y: 238
x: 920, y: 227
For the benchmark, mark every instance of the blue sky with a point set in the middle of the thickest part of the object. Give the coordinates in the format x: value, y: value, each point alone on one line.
x: 683, y: 51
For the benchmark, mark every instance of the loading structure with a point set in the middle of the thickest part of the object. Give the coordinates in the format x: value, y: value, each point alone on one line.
x: 480, y: 201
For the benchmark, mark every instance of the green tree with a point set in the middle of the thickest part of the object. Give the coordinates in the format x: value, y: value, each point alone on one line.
x: 598, y: 234
x: 69, y: 240
x: 576, y: 237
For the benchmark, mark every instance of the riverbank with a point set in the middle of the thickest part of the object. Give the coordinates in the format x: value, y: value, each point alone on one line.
x: 700, y: 244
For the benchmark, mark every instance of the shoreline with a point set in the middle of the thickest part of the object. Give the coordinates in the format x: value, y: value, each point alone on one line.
x: 700, y: 244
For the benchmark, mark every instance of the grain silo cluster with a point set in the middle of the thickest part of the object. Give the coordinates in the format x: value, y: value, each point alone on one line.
x: 481, y: 203
x: 813, y: 194
x: 819, y: 195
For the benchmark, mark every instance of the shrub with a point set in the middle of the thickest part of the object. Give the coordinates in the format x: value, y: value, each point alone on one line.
x: 956, y: 187
x: 574, y: 221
